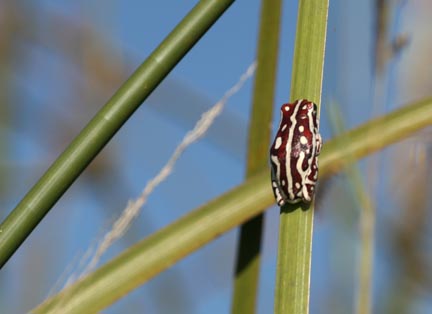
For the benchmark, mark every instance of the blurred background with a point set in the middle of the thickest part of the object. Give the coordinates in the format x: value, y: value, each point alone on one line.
x: 60, y: 61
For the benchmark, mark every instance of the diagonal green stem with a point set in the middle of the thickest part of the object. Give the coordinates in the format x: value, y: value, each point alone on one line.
x: 149, y: 257
x: 248, y: 254
x: 84, y: 148
x: 296, y: 222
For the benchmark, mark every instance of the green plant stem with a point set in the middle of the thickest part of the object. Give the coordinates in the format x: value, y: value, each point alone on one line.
x: 248, y: 253
x: 84, y: 148
x: 367, y: 238
x: 296, y: 221
x: 367, y: 222
x: 146, y: 259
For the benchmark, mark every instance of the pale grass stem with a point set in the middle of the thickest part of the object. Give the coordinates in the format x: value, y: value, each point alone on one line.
x: 133, y: 207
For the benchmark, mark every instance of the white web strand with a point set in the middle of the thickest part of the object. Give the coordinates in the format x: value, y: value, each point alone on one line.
x: 132, y: 210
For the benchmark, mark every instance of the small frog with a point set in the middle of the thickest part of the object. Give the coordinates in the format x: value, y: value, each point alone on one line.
x: 294, y: 152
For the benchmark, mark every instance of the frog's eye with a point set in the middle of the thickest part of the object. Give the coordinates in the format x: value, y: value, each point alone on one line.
x: 286, y: 108
x: 306, y: 107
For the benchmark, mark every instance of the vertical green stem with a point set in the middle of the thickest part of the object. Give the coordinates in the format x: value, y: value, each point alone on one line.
x: 63, y: 172
x: 248, y: 254
x: 367, y: 219
x: 367, y: 238
x: 296, y: 222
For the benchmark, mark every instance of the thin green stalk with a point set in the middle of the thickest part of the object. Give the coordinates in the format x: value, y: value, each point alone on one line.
x: 248, y: 252
x: 367, y: 223
x: 146, y: 259
x: 296, y: 221
x: 367, y: 238
x: 84, y: 148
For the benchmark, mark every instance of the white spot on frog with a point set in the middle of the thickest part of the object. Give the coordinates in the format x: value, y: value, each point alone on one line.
x: 303, y: 140
x: 278, y: 142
